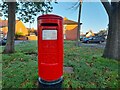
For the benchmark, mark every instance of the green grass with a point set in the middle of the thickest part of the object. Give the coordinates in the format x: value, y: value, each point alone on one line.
x: 90, y: 69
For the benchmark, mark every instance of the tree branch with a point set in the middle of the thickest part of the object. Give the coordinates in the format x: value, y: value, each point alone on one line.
x: 107, y: 6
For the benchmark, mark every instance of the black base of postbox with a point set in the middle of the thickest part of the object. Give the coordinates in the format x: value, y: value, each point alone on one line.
x: 52, y: 84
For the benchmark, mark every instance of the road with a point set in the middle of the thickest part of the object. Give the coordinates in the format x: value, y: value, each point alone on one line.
x: 19, y: 41
x: 16, y: 42
x: 94, y: 45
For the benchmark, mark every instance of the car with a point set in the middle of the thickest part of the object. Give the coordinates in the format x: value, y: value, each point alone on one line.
x: 81, y: 38
x: 94, y: 39
x: 3, y: 41
x: 85, y: 40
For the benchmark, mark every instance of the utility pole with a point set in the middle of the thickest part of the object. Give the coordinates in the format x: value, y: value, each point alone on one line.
x: 78, y: 30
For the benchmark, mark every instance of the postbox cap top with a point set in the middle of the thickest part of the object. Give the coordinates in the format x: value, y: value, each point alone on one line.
x: 49, y: 16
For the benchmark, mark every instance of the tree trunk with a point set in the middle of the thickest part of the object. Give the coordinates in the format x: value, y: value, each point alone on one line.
x: 9, y: 48
x: 112, y: 49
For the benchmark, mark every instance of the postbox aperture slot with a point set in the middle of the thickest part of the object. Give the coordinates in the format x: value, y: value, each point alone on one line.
x: 49, y: 34
x: 49, y: 24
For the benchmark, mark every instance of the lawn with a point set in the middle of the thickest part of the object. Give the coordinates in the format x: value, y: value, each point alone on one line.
x: 90, y: 70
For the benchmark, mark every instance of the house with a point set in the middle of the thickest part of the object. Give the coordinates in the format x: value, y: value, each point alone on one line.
x: 32, y: 34
x: 70, y: 29
x: 20, y: 27
x: 89, y: 34
x: 1, y: 35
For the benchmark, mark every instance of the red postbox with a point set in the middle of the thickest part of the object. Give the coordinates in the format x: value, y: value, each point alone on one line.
x: 50, y: 48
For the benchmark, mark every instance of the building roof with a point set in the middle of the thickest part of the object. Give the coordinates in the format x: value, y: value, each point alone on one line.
x: 67, y: 21
x: 4, y: 23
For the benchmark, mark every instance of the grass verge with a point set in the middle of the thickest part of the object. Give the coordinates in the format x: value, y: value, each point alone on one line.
x: 19, y: 70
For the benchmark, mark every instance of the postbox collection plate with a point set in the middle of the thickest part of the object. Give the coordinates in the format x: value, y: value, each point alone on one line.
x: 49, y: 34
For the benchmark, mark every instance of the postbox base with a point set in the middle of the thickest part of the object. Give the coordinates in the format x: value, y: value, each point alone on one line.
x: 50, y: 83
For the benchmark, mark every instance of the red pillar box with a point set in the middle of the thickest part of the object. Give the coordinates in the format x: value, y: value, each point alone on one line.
x: 50, y: 49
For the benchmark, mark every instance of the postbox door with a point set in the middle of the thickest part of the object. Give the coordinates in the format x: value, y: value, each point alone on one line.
x: 49, y: 53
x: 49, y: 45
